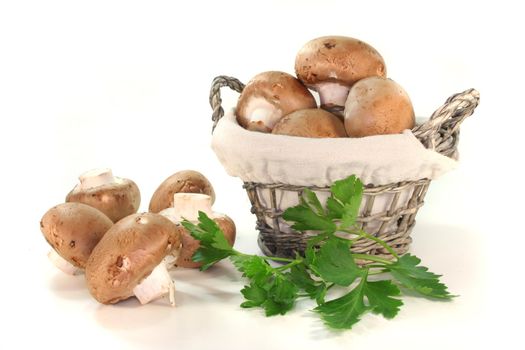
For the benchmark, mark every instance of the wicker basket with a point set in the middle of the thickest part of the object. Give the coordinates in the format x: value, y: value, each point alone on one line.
x: 387, y: 211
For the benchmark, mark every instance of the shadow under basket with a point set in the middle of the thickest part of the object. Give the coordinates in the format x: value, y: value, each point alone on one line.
x: 387, y: 211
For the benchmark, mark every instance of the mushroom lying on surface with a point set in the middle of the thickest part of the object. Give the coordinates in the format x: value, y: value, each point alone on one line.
x: 187, y: 206
x: 377, y: 106
x: 128, y: 260
x: 314, y: 122
x: 73, y: 230
x: 330, y: 65
x: 114, y: 196
x: 268, y: 97
x: 186, y: 181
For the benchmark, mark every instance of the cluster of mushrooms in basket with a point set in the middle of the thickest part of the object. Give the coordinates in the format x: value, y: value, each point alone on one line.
x: 121, y: 252
x: 356, y: 97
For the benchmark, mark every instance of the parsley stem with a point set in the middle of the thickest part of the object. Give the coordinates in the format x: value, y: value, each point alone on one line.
x: 381, y: 242
x: 375, y: 239
x: 287, y: 266
x: 372, y: 258
x: 274, y: 258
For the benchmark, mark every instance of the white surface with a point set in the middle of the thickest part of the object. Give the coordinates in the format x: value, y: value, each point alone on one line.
x: 125, y: 85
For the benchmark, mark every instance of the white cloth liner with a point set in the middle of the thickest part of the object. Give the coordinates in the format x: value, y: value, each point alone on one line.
x: 379, y: 160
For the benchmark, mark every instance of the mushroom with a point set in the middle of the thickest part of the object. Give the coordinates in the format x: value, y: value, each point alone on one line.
x: 186, y: 181
x: 268, y: 97
x: 330, y: 65
x: 314, y: 122
x: 114, y: 196
x: 73, y: 230
x: 187, y: 206
x: 377, y: 106
x: 128, y: 260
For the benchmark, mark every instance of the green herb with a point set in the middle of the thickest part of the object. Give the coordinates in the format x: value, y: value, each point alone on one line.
x: 328, y: 262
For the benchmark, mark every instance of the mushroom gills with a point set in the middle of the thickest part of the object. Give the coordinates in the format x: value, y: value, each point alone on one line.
x: 62, y: 263
x: 155, y: 286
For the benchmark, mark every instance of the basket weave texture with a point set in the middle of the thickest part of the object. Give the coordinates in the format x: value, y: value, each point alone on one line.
x: 387, y: 212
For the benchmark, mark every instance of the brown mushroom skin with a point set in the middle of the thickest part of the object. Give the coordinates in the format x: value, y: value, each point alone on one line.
x: 330, y: 65
x: 190, y: 245
x: 127, y: 254
x: 378, y: 106
x: 319, y: 60
x: 73, y: 230
x: 277, y: 93
x: 185, y: 181
x: 315, y: 122
x: 115, y: 200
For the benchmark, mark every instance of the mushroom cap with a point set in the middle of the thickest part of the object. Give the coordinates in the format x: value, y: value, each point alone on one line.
x: 338, y: 59
x: 314, y: 122
x: 269, y: 96
x: 73, y: 230
x: 127, y: 254
x: 190, y: 244
x: 185, y: 181
x: 377, y: 106
x: 116, y: 200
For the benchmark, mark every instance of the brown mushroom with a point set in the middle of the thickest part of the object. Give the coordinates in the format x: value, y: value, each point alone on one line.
x: 314, y: 122
x: 187, y: 206
x: 73, y: 230
x: 185, y: 181
x: 128, y: 260
x: 330, y: 65
x: 378, y: 106
x: 268, y: 97
x: 114, y: 196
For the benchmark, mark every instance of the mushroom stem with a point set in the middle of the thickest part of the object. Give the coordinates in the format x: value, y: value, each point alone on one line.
x: 155, y: 286
x: 95, y: 178
x: 332, y: 94
x: 171, y: 258
x: 62, y: 263
x: 188, y: 205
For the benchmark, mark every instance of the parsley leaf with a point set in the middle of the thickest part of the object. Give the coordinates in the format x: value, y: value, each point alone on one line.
x: 348, y: 190
x: 281, y: 296
x: 344, y: 312
x: 345, y: 200
x: 309, y: 198
x: 334, y: 263
x: 213, y: 244
x: 379, y: 295
x: 254, y: 295
x: 305, y: 219
x: 315, y: 289
x: 407, y: 271
x: 253, y: 267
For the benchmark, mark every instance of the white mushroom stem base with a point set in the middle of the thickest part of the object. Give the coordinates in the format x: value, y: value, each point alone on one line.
x: 63, y: 264
x: 155, y: 286
x: 187, y: 206
x: 332, y: 94
x: 95, y: 178
x: 171, y: 259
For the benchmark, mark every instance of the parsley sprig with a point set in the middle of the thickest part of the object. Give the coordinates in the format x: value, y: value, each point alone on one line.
x: 327, y: 262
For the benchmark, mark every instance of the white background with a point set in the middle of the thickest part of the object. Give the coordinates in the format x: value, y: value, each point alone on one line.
x: 125, y: 85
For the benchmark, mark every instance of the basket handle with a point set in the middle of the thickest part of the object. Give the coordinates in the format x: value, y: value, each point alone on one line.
x: 445, y: 121
x: 215, y: 95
